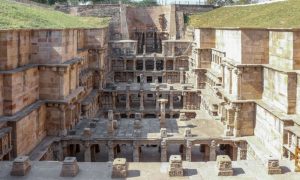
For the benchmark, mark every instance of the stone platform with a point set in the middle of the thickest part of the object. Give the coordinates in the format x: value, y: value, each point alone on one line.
x: 244, y: 170
x: 150, y: 128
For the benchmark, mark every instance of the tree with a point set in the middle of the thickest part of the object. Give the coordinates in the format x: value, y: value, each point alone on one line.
x: 220, y: 2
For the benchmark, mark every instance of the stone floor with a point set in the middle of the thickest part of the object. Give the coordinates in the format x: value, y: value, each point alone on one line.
x: 203, y: 127
x: 150, y: 171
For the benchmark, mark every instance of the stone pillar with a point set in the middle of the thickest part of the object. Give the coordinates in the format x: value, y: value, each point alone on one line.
x: 144, y: 64
x: 212, y: 151
x: 87, y: 152
x: 174, y: 64
x: 144, y: 49
x: 237, y: 121
x: 297, y: 159
x: 163, y: 149
x: 242, y: 151
x: 171, y: 100
x: 141, y: 100
x: 136, y: 152
x: 181, y: 75
x: 230, y: 80
x: 163, y: 112
x: 223, y: 74
x: 155, y: 62
x: 157, y: 101
x: 63, y: 130
x: 141, y: 81
x: 165, y: 64
x: 239, y: 83
x: 61, y: 72
x: 188, y: 151
x: 21, y: 166
x: 184, y: 94
x: 111, y: 153
x: 114, y: 94
x: 128, y: 97
x: 134, y: 64
x: 110, y: 129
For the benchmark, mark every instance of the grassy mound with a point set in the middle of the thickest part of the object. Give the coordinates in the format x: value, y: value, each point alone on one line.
x: 19, y: 16
x: 285, y: 14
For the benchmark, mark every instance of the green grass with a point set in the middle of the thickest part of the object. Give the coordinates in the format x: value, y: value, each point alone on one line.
x: 18, y: 16
x: 284, y: 14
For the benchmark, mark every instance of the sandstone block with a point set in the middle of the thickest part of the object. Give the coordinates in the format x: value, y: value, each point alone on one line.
x: 273, y: 166
x: 175, y: 166
x: 224, y: 166
x: 120, y: 168
x: 70, y: 167
x: 21, y: 166
x: 163, y: 132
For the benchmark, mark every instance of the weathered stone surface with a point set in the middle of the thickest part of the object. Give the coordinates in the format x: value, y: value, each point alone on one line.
x: 175, y: 166
x: 224, y: 167
x: 70, y: 167
x: 21, y: 166
x: 119, y: 168
x: 273, y: 166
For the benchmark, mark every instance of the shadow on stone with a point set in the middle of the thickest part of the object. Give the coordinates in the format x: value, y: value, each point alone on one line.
x: 238, y: 171
x: 190, y: 172
x: 133, y: 173
x: 285, y: 169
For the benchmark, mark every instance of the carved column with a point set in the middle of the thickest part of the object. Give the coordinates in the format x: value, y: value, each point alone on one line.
x: 144, y: 64
x: 237, y: 121
x: 165, y: 64
x: 230, y: 79
x: 171, y: 100
x: 111, y: 153
x: 61, y: 72
x: 136, y: 152
x: 188, y: 151
x: 141, y: 100
x: 134, y: 64
x: 157, y: 101
x: 163, y: 149
x: 181, y: 75
x: 174, y: 63
x: 223, y: 74
x: 239, y: 83
x: 184, y: 94
x: 163, y: 112
x: 155, y: 62
x: 87, y: 152
x: 128, y: 97
x: 60, y: 148
x: 212, y: 151
x: 242, y: 151
x: 144, y: 49
x: 63, y: 128
x: 114, y: 94
x: 110, y: 130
